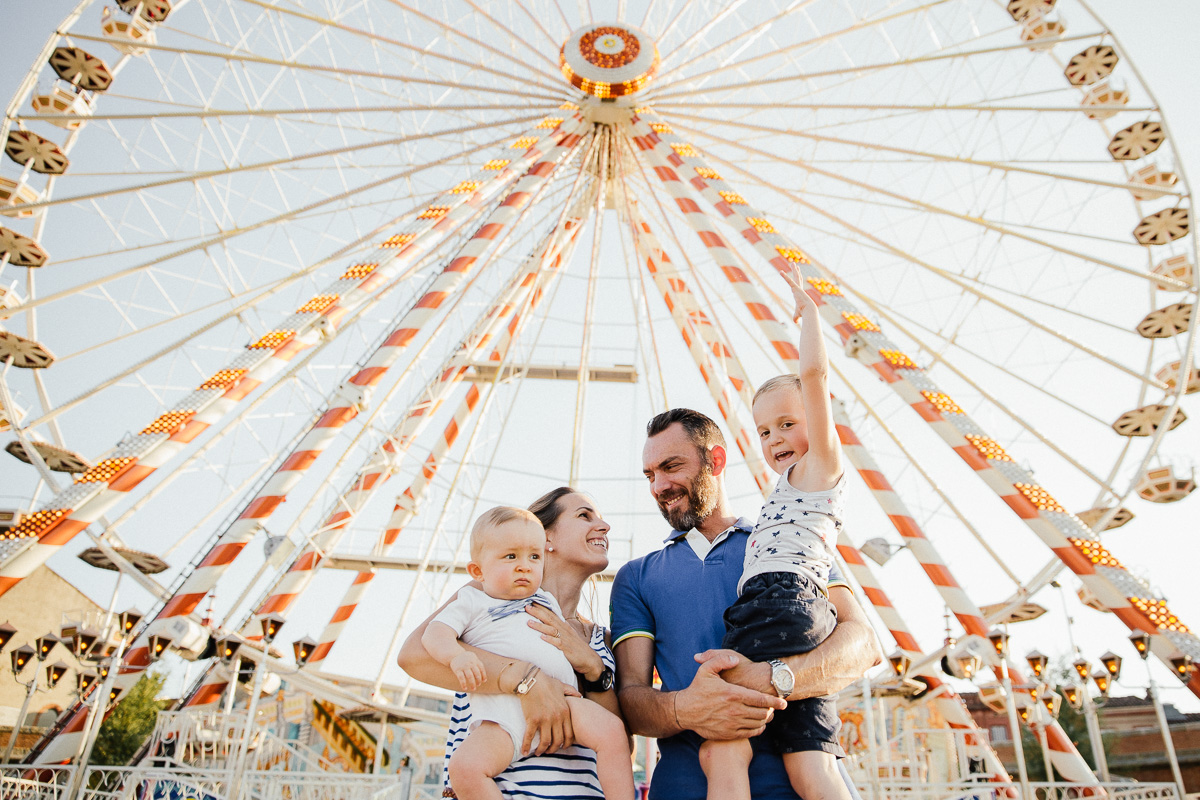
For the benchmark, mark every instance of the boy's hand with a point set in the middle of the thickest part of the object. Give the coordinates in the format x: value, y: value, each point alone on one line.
x: 469, y: 671
x: 804, y: 300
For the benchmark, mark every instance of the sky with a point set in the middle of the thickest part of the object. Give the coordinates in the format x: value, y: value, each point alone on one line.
x: 1160, y: 38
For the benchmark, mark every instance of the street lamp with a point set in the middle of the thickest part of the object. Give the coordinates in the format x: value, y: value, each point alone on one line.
x: 6, y: 633
x: 21, y: 656
x: 1112, y: 663
x: 1053, y: 703
x: 1083, y: 668
x: 305, y: 647
x: 999, y: 640
x: 43, y: 645
x: 1071, y: 692
x: 271, y: 624
x: 226, y: 649
x: 1141, y: 643
x: 1183, y: 667
x: 129, y: 620
x: 1102, y: 682
x: 158, y: 645
x: 1037, y: 662
x: 55, y: 673
x: 86, y: 679
x: 84, y: 641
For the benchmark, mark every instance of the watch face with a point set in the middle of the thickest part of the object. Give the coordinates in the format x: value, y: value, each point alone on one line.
x: 606, y: 679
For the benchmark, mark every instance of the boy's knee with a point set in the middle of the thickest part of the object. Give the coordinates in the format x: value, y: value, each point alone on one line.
x: 733, y: 754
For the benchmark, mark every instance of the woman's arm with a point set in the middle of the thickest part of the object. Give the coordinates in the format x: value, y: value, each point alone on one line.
x: 545, y: 705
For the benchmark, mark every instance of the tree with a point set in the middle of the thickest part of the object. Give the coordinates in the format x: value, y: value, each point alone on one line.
x: 130, y: 723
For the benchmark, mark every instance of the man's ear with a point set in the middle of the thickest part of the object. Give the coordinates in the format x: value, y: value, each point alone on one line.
x: 719, y: 459
x: 474, y: 571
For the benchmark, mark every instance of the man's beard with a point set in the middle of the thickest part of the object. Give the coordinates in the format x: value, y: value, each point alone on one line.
x: 701, y: 500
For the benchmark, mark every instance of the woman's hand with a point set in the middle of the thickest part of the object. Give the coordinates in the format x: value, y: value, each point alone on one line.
x: 548, y: 715
x: 556, y: 631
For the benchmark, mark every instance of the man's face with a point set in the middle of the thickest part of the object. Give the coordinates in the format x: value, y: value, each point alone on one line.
x: 681, y: 479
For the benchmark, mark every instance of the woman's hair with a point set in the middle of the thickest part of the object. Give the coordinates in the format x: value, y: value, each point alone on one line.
x: 547, y: 509
x: 788, y: 381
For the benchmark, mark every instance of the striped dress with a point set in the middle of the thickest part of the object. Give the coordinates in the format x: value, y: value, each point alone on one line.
x: 569, y: 773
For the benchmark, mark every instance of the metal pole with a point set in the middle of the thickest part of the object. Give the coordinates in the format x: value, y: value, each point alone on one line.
x: 1046, y: 753
x: 379, y: 743
x: 239, y: 772
x: 12, y: 737
x: 114, y: 666
x: 1015, y: 726
x: 869, y: 724
x: 1166, y: 734
x: 1093, y: 726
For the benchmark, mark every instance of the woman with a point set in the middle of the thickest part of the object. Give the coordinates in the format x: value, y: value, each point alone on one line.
x: 576, y: 549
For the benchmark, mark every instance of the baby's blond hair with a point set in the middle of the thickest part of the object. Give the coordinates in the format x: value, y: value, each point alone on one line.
x: 494, y: 518
x: 787, y: 381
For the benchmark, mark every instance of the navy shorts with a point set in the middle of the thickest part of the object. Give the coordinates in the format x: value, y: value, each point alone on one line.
x: 780, y: 614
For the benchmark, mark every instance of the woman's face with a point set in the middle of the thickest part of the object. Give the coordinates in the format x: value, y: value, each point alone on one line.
x: 580, y: 536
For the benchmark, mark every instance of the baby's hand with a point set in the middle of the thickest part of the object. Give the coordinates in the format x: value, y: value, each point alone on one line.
x: 804, y: 300
x: 469, y: 671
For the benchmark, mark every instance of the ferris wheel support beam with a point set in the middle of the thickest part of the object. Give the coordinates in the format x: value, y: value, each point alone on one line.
x: 763, y: 237
x: 231, y: 543
x: 750, y: 33
x: 537, y: 272
x: 994, y: 227
x: 682, y: 306
x: 385, y: 461
x: 1127, y: 596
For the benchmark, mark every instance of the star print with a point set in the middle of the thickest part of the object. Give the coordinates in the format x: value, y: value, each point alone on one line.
x: 777, y: 517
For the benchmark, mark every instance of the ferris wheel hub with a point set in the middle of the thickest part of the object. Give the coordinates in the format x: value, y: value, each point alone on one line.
x: 608, y: 59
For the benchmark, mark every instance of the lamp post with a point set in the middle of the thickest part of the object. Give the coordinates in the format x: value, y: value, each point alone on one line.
x: 1141, y: 642
x: 1083, y: 669
x: 20, y: 657
x: 999, y: 640
x: 271, y: 624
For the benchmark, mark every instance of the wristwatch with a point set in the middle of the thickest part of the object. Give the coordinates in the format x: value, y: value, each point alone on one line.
x: 601, y: 684
x: 782, y: 678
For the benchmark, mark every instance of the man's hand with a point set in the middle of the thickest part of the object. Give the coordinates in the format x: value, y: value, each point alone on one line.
x: 547, y: 715
x: 717, y: 709
x: 754, y: 675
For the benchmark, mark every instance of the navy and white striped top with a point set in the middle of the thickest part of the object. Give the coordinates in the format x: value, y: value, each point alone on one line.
x: 569, y: 774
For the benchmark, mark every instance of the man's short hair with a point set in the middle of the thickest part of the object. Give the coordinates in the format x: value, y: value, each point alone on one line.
x: 785, y: 381
x: 494, y: 518
x: 700, y: 429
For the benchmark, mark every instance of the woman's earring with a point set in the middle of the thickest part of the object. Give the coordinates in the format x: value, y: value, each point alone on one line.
x: 549, y: 549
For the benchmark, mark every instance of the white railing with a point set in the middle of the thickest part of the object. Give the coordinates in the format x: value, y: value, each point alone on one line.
x: 982, y: 790
x: 209, y: 739
x: 41, y: 783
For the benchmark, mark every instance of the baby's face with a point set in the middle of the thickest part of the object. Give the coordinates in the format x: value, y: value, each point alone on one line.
x: 511, y: 559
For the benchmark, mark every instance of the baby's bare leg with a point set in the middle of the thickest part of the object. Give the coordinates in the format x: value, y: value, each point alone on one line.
x: 599, y: 729
x: 727, y: 767
x: 815, y: 776
x: 482, y: 756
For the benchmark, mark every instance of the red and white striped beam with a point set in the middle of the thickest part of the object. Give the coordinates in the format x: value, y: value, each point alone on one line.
x: 1079, y: 548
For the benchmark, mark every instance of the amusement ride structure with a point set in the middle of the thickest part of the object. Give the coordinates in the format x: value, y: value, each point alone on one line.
x: 291, y: 291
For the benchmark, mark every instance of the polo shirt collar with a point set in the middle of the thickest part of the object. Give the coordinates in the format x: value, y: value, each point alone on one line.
x: 741, y: 524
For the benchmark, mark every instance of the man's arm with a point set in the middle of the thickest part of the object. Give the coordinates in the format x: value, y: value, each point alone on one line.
x: 710, y: 706
x: 843, y: 658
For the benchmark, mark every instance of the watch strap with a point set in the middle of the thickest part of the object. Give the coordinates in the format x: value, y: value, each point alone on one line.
x: 601, y: 684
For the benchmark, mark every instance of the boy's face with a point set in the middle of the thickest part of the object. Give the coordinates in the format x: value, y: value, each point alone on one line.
x: 782, y: 427
x: 510, y: 562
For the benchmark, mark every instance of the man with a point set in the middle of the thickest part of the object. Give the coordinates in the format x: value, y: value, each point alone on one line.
x: 667, y: 612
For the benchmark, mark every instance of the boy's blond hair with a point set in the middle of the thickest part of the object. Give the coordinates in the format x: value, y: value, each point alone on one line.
x: 494, y: 518
x: 787, y: 381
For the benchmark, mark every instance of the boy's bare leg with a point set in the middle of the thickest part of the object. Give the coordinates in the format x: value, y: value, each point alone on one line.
x: 814, y: 775
x: 482, y: 756
x: 727, y: 767
x: 601, y: 730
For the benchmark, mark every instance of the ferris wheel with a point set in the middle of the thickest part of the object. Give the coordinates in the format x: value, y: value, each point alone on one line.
x: 336, y: 276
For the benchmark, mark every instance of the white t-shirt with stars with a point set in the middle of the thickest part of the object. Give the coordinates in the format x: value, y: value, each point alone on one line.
x: 796, y: 532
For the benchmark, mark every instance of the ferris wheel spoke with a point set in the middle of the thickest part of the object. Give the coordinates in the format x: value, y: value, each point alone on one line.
x: 920, y: 156
x: 860, y: 70
x: 863, y: 235
x: 346, y: 72
x: 233, y: 113
x: 787, y: 50
x: 453, y: 31
x: 537, y: 53
x: 537, y: 22
x: 421, y: 55
x: 241, y: 169
x: 916, y: 203
x: 231, y: 234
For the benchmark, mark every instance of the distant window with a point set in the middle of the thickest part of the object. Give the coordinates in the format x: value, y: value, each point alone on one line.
x: 998, y: 733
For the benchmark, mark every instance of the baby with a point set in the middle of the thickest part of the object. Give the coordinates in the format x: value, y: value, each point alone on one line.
x: 783, y: 606
x: 507, y: 554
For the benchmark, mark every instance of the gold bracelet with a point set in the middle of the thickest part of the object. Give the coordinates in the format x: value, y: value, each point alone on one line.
x: 500, y: 677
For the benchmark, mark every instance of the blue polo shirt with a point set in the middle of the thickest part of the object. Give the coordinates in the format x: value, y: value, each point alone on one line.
x: 674, y: 598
